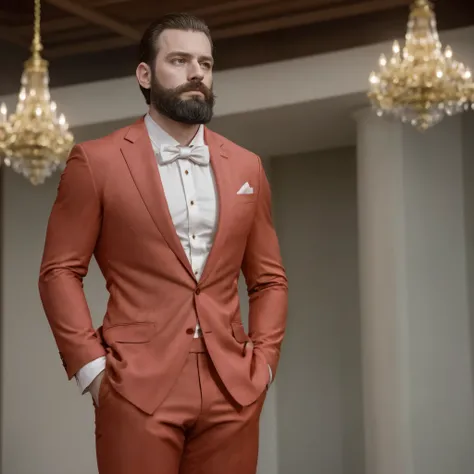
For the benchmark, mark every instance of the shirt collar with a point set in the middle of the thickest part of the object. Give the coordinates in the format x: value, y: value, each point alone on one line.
x: 159, y: 137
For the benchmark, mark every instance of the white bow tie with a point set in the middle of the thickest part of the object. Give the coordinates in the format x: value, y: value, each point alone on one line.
x: 198, y: 154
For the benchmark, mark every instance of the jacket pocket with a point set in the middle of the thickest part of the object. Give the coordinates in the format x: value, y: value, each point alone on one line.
x: 130, y: 333
x: 239, y: 333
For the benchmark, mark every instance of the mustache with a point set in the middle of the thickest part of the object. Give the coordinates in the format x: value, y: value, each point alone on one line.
x: 195, y: 87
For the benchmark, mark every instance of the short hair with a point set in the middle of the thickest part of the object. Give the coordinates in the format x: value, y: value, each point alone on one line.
x: 148, y: 48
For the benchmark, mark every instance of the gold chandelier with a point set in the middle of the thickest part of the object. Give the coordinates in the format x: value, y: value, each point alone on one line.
x: 34, y: 141
x: 421, y: 84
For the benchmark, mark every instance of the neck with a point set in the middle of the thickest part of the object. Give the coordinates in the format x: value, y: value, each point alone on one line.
x: 183, y: 133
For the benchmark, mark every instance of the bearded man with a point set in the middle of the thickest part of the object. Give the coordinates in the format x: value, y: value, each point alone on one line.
x: 172, y: 212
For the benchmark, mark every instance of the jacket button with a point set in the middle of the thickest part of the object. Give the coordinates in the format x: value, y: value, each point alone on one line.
x: 190, y: 331
x: 197, y: 291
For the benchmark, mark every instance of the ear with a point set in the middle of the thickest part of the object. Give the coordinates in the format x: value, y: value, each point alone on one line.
x: 143, y: 74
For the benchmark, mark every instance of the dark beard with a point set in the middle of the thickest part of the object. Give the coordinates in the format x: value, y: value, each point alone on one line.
x: 192, y: 111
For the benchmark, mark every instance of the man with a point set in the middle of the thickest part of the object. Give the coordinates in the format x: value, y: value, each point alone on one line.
x: 172, y: 212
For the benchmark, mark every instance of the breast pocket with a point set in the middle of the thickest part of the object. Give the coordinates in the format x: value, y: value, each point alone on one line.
x: 245, y: 199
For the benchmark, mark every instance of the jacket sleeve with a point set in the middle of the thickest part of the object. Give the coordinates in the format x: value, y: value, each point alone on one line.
x: 71, y: 236
x: 266, y: 279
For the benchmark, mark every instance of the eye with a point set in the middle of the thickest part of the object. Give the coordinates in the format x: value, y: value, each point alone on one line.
x: 206, y: 65
x: 178, y: 61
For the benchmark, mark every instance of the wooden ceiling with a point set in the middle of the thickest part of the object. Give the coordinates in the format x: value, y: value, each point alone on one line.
x: 96, y: 39
x: 84, y: 26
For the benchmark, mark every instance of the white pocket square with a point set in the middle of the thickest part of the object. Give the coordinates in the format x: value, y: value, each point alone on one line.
x: 245, y: 189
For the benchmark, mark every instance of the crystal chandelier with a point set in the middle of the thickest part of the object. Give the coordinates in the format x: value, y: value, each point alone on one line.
x: 421, y: 84
x: 34, y: 141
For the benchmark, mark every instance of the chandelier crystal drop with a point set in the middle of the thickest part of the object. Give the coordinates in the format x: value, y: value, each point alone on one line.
x: 420, y: 83
x: 35, y: 140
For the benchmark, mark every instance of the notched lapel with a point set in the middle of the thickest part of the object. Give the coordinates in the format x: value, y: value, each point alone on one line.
x: 141, y: 161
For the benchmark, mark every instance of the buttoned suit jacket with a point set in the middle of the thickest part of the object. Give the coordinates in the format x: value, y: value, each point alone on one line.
x: 111, y: 204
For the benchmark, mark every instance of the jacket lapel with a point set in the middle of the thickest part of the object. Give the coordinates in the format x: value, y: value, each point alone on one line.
x: 141, y: 161
x: 221, y: 169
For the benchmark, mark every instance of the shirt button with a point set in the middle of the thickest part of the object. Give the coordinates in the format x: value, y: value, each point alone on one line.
x: 190, y: 331
x: 186, y: 172
x: 194, y: 236
x: 197, y: 291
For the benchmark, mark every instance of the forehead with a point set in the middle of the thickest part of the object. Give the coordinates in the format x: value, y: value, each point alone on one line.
x: 192, y: 42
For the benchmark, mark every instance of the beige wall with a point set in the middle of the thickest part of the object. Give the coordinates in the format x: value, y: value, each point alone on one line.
x: 319, y: 406
x: 468, y: 155
x: 414, y: 293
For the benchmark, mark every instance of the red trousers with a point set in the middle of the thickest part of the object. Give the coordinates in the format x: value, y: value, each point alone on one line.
x: 198, y: 429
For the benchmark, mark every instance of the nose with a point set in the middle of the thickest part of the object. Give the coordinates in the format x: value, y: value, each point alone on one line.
x: 195, y: 72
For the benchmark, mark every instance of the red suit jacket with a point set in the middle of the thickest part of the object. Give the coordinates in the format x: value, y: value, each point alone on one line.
x: 111, y: 204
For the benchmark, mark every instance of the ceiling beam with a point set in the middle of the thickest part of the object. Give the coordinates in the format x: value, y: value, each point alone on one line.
x: 231, y: 11
x: 52, y: 26
x: 9, y: 16
x: 226, y: 7
x: 11, y: 36
x: 105, y: 3
x: 237, y: 10
x: 97, y: 18
x: 232, y: 7
x: 83, y: 47
x: 306, y: 18
x: 77, y: 36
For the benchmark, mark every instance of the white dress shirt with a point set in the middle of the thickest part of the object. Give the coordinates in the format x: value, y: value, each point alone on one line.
x: 190, y: 191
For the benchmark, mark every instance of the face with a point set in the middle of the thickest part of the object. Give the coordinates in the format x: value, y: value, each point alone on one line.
x: 181, y: 82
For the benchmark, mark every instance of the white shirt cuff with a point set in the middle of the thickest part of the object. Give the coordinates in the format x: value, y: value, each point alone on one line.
x: 89, y: 372
x: 271, y: 375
